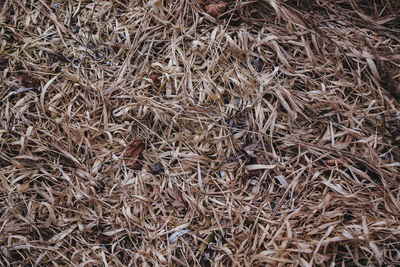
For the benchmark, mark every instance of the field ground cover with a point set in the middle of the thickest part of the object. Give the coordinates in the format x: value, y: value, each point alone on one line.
x: 199, y: 133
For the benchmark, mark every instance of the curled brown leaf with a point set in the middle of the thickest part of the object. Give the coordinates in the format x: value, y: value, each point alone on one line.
x: 217, y: 9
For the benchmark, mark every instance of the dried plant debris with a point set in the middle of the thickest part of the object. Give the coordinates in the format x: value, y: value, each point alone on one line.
x: 156, y: 81
x: 156, y: 168
x: 26, y: 80
x: 216, y: 9
x: 199, y: 133
x: 177, y: 197
x: 133, y: 154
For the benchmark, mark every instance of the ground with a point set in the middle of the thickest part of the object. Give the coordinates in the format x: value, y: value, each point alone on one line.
x: 199, y: 133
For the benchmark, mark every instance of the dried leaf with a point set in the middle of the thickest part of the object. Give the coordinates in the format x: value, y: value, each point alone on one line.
x: 155, y: 79
x: 133, y: 154
x: 250, y: 171
x: 254, y: 167
x: 177, y: 196
x: 339, y: 161
x: 25, y: 80
x: 217, y: 9
x: 58, y: 56
x: 67, y: 162
x: 282, y: 181
x: 175, y: 236
x: 156, y: 168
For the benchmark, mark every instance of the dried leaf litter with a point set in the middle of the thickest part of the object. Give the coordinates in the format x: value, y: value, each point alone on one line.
x: 268, y: 130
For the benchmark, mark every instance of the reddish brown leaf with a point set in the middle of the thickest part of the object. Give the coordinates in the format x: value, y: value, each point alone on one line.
x: 217, y: 9
x: 67, y: 162
x: 155, y: 79
x: 133, y: 154
x: 177, y: 196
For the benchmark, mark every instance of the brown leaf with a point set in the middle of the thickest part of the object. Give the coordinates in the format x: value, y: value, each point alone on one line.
x: 177, y: 196
x: 217, y: 9
x: 155, y: 79
x: 133, y: 153
x: 156, y: 168
x: 25, y: 80
x: 67, y: 162
x: 250, y: 161
x: 58, y: 56
x: 339, y: 161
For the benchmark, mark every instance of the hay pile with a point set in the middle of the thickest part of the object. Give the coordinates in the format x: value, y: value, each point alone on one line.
x: 148, y: 133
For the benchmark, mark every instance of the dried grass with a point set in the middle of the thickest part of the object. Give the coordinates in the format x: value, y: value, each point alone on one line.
x: 271, y: 133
